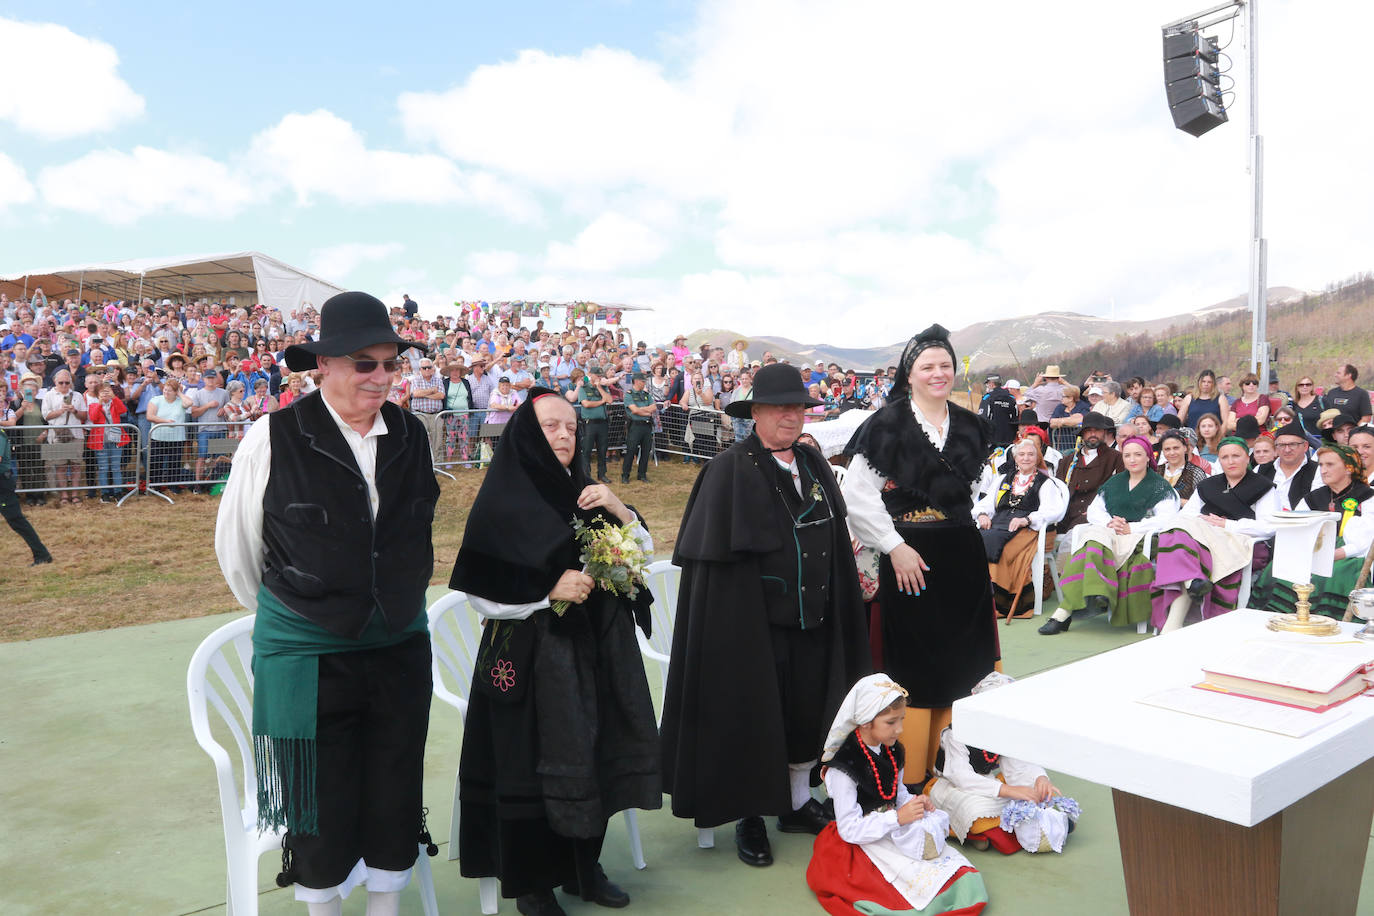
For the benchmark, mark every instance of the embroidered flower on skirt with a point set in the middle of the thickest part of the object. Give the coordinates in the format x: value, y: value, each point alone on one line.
x: 503, y: 675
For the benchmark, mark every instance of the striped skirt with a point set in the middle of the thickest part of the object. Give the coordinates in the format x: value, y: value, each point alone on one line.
x: 1093, y: 571
x: 1179, y: 557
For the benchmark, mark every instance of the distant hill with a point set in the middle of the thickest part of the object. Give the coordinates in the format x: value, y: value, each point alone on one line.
x: 1310, y: 334
x: 1032, y: 338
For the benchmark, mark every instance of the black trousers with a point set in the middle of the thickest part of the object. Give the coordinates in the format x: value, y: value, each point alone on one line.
x: 597, y: 437
x: 638, y: 436
x: 373, y: 718
x: 11, y: 511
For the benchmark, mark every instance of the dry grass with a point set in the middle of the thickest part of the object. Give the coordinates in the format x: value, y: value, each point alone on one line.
x: 149, y: 561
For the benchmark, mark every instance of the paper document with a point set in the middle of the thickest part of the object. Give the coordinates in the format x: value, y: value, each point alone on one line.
x: 1269, y: 717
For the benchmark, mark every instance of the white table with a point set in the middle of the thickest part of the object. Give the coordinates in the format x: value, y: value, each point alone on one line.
x: 1212, y: 817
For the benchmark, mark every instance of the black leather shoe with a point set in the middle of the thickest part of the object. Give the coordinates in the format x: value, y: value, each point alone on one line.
x: 1199, y: 587
x: 1093, y: 606
x: 1054, y: 627
x: 751, y: 839
x: 624, y: 481
x: 604, y: 479
x: 642, y: 479
x: 41, y: 560
x: 541, y: 904
x: 809, y: 818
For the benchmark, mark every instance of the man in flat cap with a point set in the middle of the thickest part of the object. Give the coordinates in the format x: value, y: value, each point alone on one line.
x: 324, y: 532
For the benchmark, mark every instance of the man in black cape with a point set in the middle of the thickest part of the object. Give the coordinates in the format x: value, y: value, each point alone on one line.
x: 770, y: 631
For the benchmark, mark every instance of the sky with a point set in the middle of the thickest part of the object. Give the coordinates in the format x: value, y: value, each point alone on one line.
x: 831, y: 172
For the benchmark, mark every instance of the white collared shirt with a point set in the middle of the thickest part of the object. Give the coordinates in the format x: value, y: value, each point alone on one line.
x: 238, y: 527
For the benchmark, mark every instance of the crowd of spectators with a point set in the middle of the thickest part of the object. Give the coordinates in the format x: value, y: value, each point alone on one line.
x: 185, y: 379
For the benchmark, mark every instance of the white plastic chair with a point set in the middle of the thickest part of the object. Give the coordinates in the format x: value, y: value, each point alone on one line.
x: 455, y: 635
x: 663, y: 581
x: 221, y: 676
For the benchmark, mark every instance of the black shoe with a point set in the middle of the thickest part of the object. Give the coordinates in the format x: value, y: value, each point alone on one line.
x: 39, y: 561
x: 608, y: 894
x: 1199, y: 587
x: 642, y: 479
x: 1054, y: 627
x: 624, y: 481
x: 541, y: 904
x: 1093, y: 606
x: 604, y: 479
x: 809, y: 818
x: 751, y: 839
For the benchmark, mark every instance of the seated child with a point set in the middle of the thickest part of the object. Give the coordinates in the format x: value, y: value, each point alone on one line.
x: 996, y: 800
x: 885, y: 846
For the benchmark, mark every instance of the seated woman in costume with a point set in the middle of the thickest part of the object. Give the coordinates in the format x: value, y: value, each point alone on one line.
x: 1001, y: 462
x: 1202, y: 556
x: 560, y: 731
x: 1175, y: 466
x: 999, y: 801
x: 1344, y: 489
x: 885, y: 846
x: 1021, y: 503
x: 1263, y: 452
x: 1108, y: 571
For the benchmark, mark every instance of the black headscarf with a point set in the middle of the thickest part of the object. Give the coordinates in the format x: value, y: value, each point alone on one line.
x: 518, y: 540
x: 933, y: 336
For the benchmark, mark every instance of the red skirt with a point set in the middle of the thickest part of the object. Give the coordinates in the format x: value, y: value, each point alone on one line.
x: 841, y: 874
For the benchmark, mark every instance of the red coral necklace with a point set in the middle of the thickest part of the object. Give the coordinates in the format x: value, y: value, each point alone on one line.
x: 885, y: 796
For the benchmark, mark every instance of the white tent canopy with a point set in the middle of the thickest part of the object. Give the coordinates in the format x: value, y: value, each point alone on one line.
x: 247, y: 277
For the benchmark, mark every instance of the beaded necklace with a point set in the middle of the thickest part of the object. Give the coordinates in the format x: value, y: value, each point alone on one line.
x: 885, y: 796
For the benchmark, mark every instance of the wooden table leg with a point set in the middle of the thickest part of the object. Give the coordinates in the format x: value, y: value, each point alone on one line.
x: 1306, y: 859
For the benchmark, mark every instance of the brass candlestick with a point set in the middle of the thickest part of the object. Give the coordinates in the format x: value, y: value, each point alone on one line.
x: 1303, y: 621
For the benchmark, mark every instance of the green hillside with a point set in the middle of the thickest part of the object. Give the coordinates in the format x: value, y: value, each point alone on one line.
x: 1311, y: 337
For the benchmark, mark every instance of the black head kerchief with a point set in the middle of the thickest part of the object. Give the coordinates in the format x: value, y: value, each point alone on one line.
x: 518, y: 539
x: 933, y: 336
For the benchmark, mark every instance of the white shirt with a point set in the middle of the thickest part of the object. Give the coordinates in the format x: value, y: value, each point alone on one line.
x: 238, y: 528
x: 1282, y: 479
x: 1054, y: 502
x: 1359, y: 530
x: 962, y: 775
x: 52, y: 399
x: 853, y: 825
x: 1153, y: 521
x: 1255, y: 527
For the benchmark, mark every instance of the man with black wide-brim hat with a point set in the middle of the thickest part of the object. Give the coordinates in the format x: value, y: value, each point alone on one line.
x: 324, y: 532
x: 770, y: 629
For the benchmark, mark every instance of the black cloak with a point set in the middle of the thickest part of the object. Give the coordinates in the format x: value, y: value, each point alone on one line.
x: 559, y: 732
x: 724, y: 743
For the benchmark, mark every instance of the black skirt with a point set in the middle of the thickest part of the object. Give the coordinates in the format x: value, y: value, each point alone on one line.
x: 938, y: 644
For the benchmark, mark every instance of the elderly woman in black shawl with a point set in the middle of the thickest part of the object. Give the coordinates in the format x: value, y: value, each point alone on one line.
x: 910, y: 489
x: 560, y: 732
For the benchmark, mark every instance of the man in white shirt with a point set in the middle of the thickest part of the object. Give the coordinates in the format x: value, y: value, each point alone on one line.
x: 1293, y: 473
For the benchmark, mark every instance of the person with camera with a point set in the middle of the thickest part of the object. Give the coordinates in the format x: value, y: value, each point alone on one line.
x: 64, y: 408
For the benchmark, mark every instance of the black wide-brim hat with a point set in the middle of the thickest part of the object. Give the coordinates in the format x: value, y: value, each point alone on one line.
x: 348, y: 322
x: 777, y: 383
x: 1094, y: 420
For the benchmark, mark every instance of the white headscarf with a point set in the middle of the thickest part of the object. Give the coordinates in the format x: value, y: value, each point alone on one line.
x: 870, y: 696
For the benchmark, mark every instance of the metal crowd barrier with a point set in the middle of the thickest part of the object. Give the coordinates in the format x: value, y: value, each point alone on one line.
x: 61, y: 460
x: 182, y: 456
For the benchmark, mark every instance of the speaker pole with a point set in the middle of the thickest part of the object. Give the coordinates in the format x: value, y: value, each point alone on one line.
x: 1259, y: 246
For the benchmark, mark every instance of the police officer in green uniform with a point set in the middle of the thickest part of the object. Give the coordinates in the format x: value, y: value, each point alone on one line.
x: 594, y: 398
x: 12, y: 512
x: 639, y: 430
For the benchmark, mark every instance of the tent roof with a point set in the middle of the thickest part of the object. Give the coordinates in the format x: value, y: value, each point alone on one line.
x: 209, y: 276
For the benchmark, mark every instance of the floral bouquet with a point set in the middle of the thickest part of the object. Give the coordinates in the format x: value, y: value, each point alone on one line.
x: 611, y: 556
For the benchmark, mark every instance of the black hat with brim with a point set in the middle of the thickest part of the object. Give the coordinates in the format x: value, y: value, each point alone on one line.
x: 349, y: 322
x: 778, y: 383
x: 1094, y: 420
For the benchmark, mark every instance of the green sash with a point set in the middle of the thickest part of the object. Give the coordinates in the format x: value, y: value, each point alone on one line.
x: 286, y: 680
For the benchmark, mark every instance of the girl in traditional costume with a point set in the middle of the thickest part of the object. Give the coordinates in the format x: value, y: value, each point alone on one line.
x: 995, y: 800
x: 886, y: 848
x: 1109, y: 571
x: 1202, y: 554
x: 1343, y: 490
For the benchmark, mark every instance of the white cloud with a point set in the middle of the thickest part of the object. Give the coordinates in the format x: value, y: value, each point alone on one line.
x: 61, y: 84
x: 121, y: 187
x: 14, y: 184
x: 336, y: 262
x: 611, y: 242
x: 494, y: 263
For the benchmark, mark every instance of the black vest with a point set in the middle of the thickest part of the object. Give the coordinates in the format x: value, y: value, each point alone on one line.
x: 982, y: 761
x: 796, y: 579
x: 1237, y: 502
x: 852, y: 761
x: 325, y: 556
x: 1024, y: 503
x: 1299, y: 485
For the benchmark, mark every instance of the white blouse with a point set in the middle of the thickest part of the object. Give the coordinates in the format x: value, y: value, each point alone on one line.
x: 1250, y: 527
x: 1054, y: 502
x: 853, y: 825
x: 1359, y: 531
x: 1155, y: 520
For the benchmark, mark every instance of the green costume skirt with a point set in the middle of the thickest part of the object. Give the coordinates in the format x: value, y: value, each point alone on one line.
x: 1093, y: 571
x: 1330, y: 596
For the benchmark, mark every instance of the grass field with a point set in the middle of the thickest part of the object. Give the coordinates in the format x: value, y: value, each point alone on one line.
x: 148, y: 561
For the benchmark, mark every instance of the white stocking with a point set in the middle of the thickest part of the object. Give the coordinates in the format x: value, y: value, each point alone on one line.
x: 383, y: 904
x: 328, y: 908
x: 1061, y: 614
x: 799, y: 775
x: 1177, y: 611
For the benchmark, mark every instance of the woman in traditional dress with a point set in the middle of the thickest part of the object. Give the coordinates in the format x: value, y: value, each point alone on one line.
x: 1108, y: 571
x: 560, y: 731
x: 910, y: 489
x: 1175, y: 466
x: 1020, y: 504
x: 1345, y: 490
x: 1202, y: 556
x: 886, y: 847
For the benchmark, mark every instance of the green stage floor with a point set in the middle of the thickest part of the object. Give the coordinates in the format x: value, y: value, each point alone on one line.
x: 110, y: 806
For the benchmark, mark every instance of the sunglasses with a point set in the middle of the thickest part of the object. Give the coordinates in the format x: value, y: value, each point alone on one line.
x: 369, y: 366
